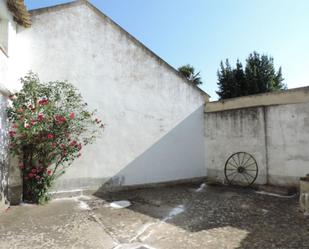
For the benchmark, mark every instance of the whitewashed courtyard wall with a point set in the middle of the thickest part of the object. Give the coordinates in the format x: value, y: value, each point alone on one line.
x: 273, y: 127
x: 7, y: 45
x: 4, y: 162
x: 153, y: 117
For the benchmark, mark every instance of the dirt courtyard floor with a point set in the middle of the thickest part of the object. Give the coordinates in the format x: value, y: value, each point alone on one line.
x: 179, y: 217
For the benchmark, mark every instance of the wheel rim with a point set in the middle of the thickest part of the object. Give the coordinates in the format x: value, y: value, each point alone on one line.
x: 241, y: 169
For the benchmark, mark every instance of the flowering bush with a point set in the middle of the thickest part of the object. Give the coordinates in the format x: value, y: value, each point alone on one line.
x: 50, y: 124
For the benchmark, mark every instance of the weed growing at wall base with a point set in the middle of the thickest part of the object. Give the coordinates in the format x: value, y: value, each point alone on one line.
x: 50, y: 124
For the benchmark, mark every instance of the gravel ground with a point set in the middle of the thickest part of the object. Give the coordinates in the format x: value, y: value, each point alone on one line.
x: 179, y: 217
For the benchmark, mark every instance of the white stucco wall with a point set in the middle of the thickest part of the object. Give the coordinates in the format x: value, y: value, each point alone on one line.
x: 7, y: 35
x: 231, y: 131
x: 288, y: 143
x: 277, y: 135
x: 153, y: 117
x: 7, y: 42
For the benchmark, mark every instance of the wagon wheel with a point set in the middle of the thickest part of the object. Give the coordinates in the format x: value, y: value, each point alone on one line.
x: 241, y: 169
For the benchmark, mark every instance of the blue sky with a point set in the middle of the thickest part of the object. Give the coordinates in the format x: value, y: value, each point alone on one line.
x: 204, y: 32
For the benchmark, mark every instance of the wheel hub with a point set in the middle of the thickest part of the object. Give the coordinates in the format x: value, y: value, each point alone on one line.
x: 241, y: 169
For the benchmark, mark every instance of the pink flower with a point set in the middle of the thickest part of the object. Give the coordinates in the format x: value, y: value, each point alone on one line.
x: 26, y: 125
x: 60, y: 119
x: 50, y: 136
x: 31, y: 107
x: 43, y: 101
x: 12, y: 133
x: 33, y: 170
x: 33, y: 122
x: 63, y: 146
x: 31, y: 175
x: 49, y: 172
x: 73, y: 143
x: 40, y: 117
x: 37, y: 177
x: 53, y: 144
x: 72, y: 115
x: 79, y: 146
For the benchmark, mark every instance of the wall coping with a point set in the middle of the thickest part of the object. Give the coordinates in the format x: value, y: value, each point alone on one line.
x: 291, y: 96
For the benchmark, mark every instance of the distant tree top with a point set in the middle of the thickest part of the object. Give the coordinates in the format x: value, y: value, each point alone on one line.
x: 258, y: 76
x: 188, y: 72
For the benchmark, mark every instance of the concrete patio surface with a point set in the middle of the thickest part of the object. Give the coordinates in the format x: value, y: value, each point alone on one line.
x: 179, y: 217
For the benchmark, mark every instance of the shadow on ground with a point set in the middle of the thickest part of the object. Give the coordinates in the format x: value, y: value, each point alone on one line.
x: 191, y: 216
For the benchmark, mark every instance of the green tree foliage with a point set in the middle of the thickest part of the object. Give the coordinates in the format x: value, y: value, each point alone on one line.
x: 188, y: 72
x: 259, y: 76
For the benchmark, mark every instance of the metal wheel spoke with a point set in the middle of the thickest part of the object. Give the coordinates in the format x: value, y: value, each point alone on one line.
x: 249, y: 175
x: 246, y: 161
x: 233, y: 178
x: 249, y: 165
x: 246, y: 178
x: 235, y: 162
x: 231, y: 173
x: 243, y: 158
x: 233, y: 165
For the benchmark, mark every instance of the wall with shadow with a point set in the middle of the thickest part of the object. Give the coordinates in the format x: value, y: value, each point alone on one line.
x: 177, y: 155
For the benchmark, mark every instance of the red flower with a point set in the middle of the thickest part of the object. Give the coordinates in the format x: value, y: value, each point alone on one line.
x: 43, y: 102
x: 73, y: 143
x: 72, y: 115
x: 49, y: 172
x: 40, y: 117
x: 31, y: 175
x: 21, y: 166
x: 63, y: 146
x: 79, y: 146
x: 12, y: 133
x: 50, y: 136
x: 31, y: 107
x: 33, y: 122
x: 60, y: 119
x: 33, y: 170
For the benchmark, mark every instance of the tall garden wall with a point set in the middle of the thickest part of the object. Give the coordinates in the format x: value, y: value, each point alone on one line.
x: 273, y: 127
